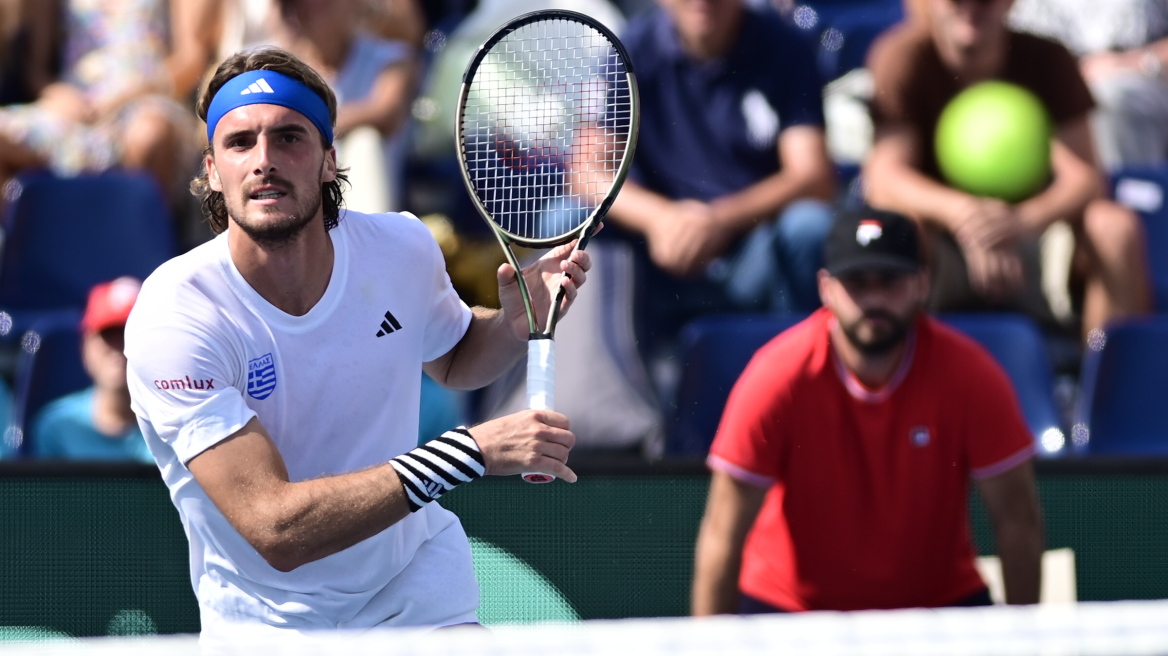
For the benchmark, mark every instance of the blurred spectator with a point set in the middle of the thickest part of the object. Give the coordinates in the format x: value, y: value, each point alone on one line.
x: 731, y: 172
x: 366, y: 49
x: 841, y: 467
x: 726, y: 196
x: 434, y: 134
x: 597, y: 364
x: 374, y: 81
x: 986, y: 253
x: 111, y: 103
x: 96, y: 423
x: 15, y: 55
x: 1122, y: 46
x: 234, y: 25
x: 395, y: 20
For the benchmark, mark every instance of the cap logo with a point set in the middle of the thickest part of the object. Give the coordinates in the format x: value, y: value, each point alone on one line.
x: 259, y: 86
x: 868, y: 230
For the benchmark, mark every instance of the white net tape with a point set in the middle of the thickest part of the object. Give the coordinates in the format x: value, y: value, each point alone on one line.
x: 1104, y: 629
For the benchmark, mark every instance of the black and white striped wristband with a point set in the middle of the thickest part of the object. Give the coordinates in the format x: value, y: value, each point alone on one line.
x: 438, y: 466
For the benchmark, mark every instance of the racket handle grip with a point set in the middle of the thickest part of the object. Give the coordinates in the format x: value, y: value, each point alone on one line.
x: 541, y: 387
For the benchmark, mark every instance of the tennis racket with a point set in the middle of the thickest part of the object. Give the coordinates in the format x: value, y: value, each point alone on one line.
x: 547, y: 123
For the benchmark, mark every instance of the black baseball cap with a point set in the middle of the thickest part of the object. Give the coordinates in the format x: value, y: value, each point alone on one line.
x: 872, y: 239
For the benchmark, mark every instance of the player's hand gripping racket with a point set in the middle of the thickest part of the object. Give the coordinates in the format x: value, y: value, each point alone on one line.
x: 547, y: 122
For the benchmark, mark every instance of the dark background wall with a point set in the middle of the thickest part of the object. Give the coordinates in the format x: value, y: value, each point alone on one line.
x: 84, y: 548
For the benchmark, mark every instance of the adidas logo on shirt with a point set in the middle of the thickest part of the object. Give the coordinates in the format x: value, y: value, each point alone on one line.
x: 388, y: 325
x: 259, y: 86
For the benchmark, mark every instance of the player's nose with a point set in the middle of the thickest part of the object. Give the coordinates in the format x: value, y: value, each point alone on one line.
x: 262, y: 155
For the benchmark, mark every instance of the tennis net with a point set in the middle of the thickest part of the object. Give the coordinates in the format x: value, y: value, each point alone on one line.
x: 1102, y: 628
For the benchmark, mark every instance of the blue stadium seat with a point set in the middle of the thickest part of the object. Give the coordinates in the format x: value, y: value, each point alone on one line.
x: 64, y: 235
x: 1145, y: 190
x: 847, y: 36
x: 1018, y: 345
x: 714, y: 351
x: 48, y: 367
x: 1121, y: 408
x: 827, y: 12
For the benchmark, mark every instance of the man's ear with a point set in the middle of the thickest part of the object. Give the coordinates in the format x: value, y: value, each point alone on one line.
x: 212, y: 173
x: 925, y: 283
x: 823, y: 278
x: 329, y: 172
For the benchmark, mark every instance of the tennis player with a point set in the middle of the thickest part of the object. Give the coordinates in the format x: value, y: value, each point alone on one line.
x: 842, y: 464
x: 275, y: 371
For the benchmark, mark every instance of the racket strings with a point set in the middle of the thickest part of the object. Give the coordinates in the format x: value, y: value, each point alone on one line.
x: 545, y: 127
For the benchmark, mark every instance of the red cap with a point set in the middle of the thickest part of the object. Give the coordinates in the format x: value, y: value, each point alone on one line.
x: 110, y: 304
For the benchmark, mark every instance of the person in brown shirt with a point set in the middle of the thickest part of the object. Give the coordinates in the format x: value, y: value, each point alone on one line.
x: 985, y: 252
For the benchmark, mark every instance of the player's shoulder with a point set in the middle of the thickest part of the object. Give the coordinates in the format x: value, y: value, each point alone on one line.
x: 401, y: 225
x: 184, y: 274
x: 186, y: 289
x: 398, y: 239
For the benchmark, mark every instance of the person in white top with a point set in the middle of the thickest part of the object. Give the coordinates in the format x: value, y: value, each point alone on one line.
x: 275, y: 371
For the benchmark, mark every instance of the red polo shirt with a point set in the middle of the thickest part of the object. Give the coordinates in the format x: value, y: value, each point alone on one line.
x: 868, y: 489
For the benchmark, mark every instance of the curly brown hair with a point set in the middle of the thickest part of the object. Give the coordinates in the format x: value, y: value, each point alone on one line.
x: 269, y: 59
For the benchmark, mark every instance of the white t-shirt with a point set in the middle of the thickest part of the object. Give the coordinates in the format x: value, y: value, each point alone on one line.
x: 338, y: 390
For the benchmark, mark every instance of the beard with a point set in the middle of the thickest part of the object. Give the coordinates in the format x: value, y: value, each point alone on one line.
x: 874, y: 343
x: 277, y: 232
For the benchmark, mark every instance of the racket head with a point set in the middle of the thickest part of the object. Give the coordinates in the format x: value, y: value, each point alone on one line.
x: 547, y: 121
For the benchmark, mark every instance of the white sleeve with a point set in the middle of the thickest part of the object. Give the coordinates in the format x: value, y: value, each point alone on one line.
x: 182, y: 385
x: 449, y: 315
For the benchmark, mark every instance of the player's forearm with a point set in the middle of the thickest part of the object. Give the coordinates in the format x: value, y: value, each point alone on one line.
x: 298, y: 523
x: 487, y: 350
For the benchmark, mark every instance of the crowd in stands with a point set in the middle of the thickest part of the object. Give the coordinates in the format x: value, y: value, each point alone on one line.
x: 733, y: 192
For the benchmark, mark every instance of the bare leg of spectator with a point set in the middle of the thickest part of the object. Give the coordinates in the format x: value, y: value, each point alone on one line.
x: 1117, y: 281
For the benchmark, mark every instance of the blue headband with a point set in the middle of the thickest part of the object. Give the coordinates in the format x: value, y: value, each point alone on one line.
x: 269, y: 88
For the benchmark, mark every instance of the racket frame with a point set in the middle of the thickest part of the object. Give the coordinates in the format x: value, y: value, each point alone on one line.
x: 543, y: 352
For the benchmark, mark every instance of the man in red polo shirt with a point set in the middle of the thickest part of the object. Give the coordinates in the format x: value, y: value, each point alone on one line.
x: 841, y: 466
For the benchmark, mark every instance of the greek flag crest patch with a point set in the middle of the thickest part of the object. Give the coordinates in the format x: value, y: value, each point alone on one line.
x: 261, y: 377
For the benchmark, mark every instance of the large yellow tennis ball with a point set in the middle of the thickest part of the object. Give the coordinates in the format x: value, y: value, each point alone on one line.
x: 993, y: 139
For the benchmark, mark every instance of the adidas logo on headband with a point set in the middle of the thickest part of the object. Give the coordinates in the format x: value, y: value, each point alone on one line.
x: 259, y: 86
x: 256, y: 88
